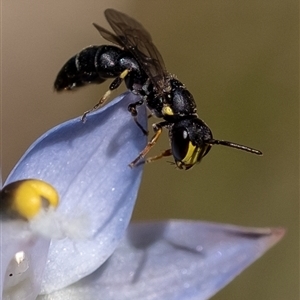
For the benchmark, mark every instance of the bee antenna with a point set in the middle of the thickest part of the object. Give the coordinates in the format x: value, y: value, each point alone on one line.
x: 234, y: 145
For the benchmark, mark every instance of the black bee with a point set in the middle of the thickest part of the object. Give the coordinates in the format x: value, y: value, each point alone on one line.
x: 137, y: 61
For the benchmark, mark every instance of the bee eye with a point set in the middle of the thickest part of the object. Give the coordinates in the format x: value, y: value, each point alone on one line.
x: 180, y: 143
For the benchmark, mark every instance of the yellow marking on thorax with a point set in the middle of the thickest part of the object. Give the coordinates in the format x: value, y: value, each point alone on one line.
x: 167, y: 111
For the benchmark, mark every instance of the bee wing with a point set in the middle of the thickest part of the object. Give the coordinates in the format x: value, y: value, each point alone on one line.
x: 108, y: 35
x: 136, y: 39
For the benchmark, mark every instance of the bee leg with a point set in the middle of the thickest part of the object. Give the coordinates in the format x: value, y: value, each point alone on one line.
x: 113, y: 86
x: 158, y: 130
x: 132, y: 109
x: 165, y: 153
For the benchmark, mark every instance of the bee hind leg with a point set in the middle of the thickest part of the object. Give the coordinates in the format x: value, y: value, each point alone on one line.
x: 113, y: 86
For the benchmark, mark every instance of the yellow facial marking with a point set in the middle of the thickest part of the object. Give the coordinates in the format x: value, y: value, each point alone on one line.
x: 192, y: 154
x: 167, y: 110
x: 26, y: 198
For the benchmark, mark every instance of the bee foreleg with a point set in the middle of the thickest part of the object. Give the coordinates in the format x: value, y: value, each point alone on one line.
x: 132, y: 109
x: 165, y: 153
x: 158, y: 130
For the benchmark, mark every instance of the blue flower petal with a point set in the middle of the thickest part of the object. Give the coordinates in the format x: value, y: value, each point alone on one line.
x: 21, y: 279
x: 88, y: 165
x: 175, y: 260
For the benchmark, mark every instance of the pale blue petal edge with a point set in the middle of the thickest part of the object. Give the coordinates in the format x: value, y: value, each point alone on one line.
x: 174, y: 260
x: 88, y: 165
x: 21, y: 281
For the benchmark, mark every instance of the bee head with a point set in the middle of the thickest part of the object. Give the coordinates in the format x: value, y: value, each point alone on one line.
x: 191, y: 139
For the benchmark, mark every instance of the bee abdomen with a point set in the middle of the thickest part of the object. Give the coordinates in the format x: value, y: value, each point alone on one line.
x: 92, y: 65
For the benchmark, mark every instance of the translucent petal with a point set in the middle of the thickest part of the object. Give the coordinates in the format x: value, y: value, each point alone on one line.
x: 88, y: 165
x: 173, y: 260
x: 21, y: 270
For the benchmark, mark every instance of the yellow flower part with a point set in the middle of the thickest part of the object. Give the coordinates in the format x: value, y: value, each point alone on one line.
x: 26, y: 198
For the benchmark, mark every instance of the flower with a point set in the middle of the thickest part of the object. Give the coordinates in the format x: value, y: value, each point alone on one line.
x: 83, y: 251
